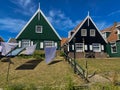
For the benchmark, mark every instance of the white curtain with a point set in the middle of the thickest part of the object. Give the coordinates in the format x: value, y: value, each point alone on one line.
x: 7, y: 47
x: 29, y: 50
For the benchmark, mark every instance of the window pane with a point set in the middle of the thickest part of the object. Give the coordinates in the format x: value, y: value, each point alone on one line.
x: 96, y: 47
x: 25, y: 43
x: 83, y: 32
x: 38, y: 29
x: 92, y: 32
x: 79, y: 46
x: 49, y: 43
x: 113, y: 48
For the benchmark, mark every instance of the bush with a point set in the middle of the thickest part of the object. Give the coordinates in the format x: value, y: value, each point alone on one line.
x: 39, y: 56
x: 62, y: 54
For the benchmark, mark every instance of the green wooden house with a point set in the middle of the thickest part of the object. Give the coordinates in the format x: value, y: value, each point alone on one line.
x: 38, y: 30
x: 112, y: 35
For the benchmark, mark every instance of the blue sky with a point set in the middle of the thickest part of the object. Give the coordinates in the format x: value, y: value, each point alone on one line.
x: 64, y: 15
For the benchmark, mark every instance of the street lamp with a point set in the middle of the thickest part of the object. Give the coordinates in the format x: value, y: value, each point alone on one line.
x: 74, y: 39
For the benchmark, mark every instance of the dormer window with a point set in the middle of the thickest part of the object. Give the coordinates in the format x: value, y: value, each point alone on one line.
x: 83, y: 32
x: 92, y: 32
x: 38, y: 29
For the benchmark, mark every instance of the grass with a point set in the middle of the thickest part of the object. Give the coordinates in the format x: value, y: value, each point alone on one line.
x: 59, y: 74
x: 108, y: 68
x: 101, y: 65
x: 43, y: 75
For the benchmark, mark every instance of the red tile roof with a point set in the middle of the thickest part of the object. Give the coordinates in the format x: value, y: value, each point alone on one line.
x: 63, y: 41
x: 113, y: 35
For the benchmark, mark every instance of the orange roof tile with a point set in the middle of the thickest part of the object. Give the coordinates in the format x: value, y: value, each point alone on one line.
x: 113, y: 35
x: 63, y: 41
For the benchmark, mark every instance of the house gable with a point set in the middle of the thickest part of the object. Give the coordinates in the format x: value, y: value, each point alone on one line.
x: 28, y: 32
x: 88, y: 24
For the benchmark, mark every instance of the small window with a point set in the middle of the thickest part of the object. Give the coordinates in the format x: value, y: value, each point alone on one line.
x: 49, y: 43
x: 25, y: 43
x: 113, y: 48
x: 83, y: 32
x: 79, y: 47
x: 92, y: 32
x: 38, y: 29
x: 96, y: 47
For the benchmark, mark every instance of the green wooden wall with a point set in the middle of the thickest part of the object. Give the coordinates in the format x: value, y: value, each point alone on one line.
x: 117, y: 54
x: 47, y: 34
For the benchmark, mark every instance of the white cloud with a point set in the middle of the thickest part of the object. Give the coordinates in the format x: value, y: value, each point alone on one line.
x: 113, y: 13
x: 102, y: 25
x: 11, y: 25
x: 25, y: 7
x: 61, y: 21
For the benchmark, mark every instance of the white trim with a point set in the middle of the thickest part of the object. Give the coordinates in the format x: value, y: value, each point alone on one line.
x: 77, y: 29
x: 41, y: 44
x: 50, y: 25
x: 56, y: 44
x: 102, y: 47
x: 92, y: 34
x: 31, y: 43
x: 97, y: 29
x: 39, y: 10
x: 9, y: 40
x: 88, y: 17
x: 91, y: 47
x: 79, y: 47
x: 19, y: 44
x: 83, y: 32
x: 36, y: 29
x: 68, y: 48
x: 24, y: 41
x: 72, y: 47
x: 86, y: 48
x: 99, y: 45
x: 112, y: 49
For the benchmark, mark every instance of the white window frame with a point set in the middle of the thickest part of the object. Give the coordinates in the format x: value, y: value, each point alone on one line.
x: 113, y: 45
x: 40, y: 30
x: 79, y: 47
x: 25, y: 42
x: 83, y: 32
x: 19, y: 44
x: 96, y: 45
x: 49, y: 43
x: 41, y: 45
x: 92, y: 32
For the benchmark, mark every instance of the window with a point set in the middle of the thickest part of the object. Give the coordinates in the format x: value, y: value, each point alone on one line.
x: 49, y: 43
x: 96, y: 47
x: 83, y: 32
x: 113, y: 48
x: 92, y: 32
x: 38, y: 29
x: 79, y: 47
x: 25, y: 43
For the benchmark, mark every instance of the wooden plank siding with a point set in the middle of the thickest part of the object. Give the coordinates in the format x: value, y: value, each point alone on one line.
x: 48, y: 34
x: 88, y: 39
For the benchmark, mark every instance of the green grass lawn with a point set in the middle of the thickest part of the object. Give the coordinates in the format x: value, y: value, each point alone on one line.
x: 108, y: 68
x: 57, y: 74
x: 101, y: 65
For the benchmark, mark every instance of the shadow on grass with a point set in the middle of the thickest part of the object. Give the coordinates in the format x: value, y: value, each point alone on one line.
x: 29, y: 65
x: 54, y: 62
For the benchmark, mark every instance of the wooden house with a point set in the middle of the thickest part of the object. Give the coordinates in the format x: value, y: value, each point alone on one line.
x: 112, y: 35
x: 86, y: 40
x: 38, y: 30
